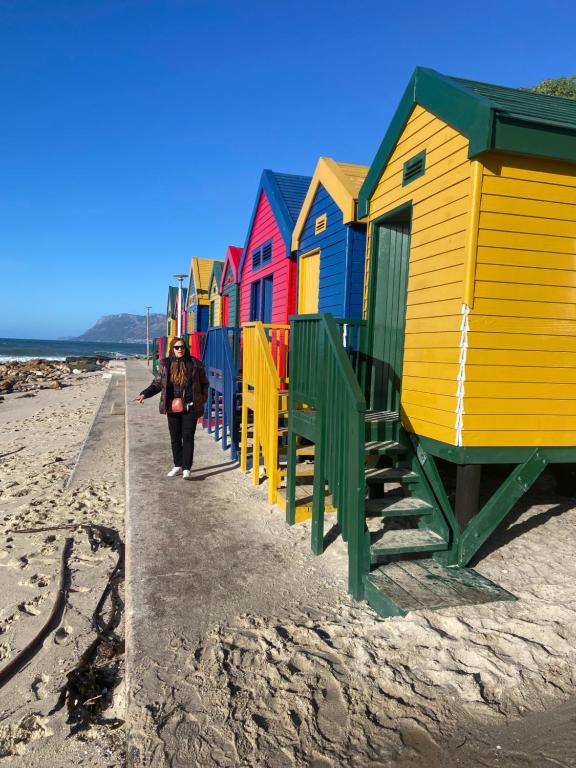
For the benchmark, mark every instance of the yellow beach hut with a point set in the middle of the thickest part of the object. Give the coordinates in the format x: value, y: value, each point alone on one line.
x: 470, y: 306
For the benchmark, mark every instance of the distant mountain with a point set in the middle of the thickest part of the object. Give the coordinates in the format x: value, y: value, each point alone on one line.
x: 127, y: 329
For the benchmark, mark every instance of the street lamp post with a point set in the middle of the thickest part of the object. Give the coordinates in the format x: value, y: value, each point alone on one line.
x: 148, y: 335
x: 179, y: 318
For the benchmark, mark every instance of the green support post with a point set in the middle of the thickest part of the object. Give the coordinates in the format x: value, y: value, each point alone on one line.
x: 354, y: 519
x: 317, y: 538
x: 291, y: 475
x: 496, y: 509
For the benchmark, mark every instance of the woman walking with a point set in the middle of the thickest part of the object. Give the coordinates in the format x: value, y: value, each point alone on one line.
x: 183, y: 387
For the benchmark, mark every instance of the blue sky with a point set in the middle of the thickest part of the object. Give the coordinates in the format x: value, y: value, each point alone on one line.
x: 133, y: 132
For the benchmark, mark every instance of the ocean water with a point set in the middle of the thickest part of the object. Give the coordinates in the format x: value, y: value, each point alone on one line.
x: 28, y: 349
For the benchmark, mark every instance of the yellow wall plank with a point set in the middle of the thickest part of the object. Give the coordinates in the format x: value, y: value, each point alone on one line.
x: 434, y: 309
x: 453, y: 258
x: 530, y: 242
x: 429, y: 429
x: 520, y: 422
x: 531, y: 169
x: 429, y: 340
x: 531, y: 326
x: 528, y: 189
x: 520, y: 406
x: 436, y: 386
x: 533, y: 309
x: 516, y: 374
x: 429, y: 400
x: 438, y: 355
x: 452, y: 210
x: 432, y: 371
x: 435, y: 294
x: 516, y: 341
x: 498, y: 273
x: 518, y: 206
x: 511, y: 438
x: 443, y: 229
x: 531, y: 225
x: 445, y: 323
x: 534, y: 390
x: 546, y: 294
x: 436, y: 278
x: 535, y: 259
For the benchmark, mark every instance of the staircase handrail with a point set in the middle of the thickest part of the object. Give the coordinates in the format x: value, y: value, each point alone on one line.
x: 260, y: 372
x: 217, y: 357
x: 327, y: 382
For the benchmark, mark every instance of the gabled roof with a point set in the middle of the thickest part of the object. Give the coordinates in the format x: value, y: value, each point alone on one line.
x: 492, y: 117
x: 233, y: 256
x: 199, y: 277
x: 172, y: 300
x: 216, y: 275
x: 285, y: 193
x: 342, y: 181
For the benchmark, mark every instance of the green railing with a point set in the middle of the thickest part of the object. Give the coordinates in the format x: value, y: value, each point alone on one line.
x: 327, y: 405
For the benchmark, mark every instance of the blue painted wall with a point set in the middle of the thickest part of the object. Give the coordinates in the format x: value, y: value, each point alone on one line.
x: 342, y: 253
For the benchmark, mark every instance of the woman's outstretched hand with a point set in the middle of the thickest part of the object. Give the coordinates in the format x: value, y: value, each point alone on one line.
x: 139, y: 399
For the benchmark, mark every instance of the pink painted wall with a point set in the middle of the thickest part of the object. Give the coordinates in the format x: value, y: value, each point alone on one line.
x: 284, y: 269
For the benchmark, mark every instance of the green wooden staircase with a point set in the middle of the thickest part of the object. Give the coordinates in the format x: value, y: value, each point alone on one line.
x: 402, y: 536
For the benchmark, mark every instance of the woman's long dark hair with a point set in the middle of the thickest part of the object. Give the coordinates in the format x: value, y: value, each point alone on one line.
x: 178, y: 365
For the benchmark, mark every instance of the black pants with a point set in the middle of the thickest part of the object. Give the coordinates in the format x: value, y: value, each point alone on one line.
x: 182, y: 428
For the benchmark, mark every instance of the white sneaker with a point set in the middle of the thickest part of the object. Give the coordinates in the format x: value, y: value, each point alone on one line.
x: 174, y: 472
x: 187, y: 475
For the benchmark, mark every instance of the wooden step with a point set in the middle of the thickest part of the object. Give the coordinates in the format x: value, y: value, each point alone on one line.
x: 376, y: 417
x: 407, y: 507
x: 383, y: 447
x: 389, y: 475
x: 302, y: 470
x: 396, y: 542
x: 306, y: 450
x: 304, y: 494
x: 411, y: 585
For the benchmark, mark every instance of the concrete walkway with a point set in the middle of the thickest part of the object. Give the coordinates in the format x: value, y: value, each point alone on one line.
x: 198, y: 553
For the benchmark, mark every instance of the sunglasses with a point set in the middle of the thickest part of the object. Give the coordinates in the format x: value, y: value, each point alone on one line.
x: 180, y: 346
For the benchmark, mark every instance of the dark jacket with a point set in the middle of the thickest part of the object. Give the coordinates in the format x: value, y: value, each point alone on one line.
x: 195, y: 387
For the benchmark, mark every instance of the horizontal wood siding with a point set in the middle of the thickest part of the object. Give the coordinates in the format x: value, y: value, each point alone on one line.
x: 520, y: 387
x: 332, y: 243
x: 342, y: 252
x: 282, y: 268
x: 357, y: 239
x: 441, y: 200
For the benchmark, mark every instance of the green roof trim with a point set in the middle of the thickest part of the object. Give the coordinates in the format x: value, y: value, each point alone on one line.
x: 492, y: 117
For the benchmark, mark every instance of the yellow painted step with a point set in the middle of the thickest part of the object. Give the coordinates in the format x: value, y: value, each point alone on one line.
x: 306, y: 450
x: 303, y: 502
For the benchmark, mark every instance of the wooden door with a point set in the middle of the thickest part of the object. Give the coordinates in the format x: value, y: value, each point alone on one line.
x: 266, y: 312
x: 225, y: 309
x: 388, y: 312
x: 308, y: 283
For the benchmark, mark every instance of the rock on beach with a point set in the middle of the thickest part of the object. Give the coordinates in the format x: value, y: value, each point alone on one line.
x: 26, y: 375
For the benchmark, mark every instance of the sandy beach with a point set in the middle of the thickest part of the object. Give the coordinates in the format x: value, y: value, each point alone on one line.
x: 293, y: 673
x: 41, y: 436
